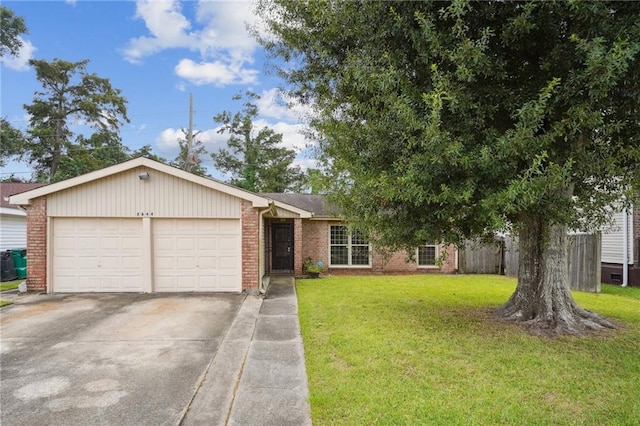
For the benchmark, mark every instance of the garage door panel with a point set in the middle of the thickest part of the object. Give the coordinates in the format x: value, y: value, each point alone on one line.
x: 228, y: 262
x: 207, y: 243
x: 229, y: 227
x: 207, y: 262
x: 163, y: 243
x: 131, y: 263
x: 229, y: 243
x: 110, y: 263
x: 85, y: 243
x: 206, y: 255
x: 185, y: 243
x: 97, y: 254
x: 186, y: 264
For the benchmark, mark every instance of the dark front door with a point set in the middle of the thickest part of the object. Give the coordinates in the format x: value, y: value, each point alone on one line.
x: 282, y: 255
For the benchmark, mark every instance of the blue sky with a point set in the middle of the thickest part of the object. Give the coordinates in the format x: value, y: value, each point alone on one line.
x: 156, y: 53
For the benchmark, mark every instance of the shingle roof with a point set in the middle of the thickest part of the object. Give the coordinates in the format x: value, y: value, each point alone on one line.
x: 316, y: 204
x: 12, y: 188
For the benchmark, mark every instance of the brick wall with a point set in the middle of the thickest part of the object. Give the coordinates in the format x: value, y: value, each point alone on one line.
x: 250, y: 247
x: 298, y: 258
x: 37, y: 245
x: 315, y: 235
x: 316, y: 245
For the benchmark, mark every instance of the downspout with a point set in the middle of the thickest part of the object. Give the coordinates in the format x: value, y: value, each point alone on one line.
x: 262, y: 289
x: 625, y: 248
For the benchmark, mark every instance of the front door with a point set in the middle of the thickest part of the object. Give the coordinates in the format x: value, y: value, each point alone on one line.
x: 282, y: 255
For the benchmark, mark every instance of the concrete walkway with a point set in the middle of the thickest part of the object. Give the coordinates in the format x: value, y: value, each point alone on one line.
x: 258, y: 375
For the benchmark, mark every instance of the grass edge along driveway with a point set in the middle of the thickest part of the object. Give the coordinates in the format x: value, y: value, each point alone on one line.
x: 8, y: 285
x: 424, y: 349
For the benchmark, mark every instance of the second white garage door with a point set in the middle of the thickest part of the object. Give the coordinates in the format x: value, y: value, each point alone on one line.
x: 197, y: 255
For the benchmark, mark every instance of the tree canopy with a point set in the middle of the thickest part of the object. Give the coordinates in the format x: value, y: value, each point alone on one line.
x: 69, y: 92
x: 11, y: 141
x: 255, y: 158
x: 11, y: 26
x: 189, y: 157
x: 100, y: 150
x: 442, y: 121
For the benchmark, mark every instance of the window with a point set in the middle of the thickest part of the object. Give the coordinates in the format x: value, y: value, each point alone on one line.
x: 427, y: 255
x: 348, y: 248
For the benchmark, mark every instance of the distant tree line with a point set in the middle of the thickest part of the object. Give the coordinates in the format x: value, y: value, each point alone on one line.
x: 255, y: 158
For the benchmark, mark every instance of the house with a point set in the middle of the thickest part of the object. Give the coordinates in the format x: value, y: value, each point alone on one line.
x: 143, y: 226
x: 13, y: 220
x: 620, y: 245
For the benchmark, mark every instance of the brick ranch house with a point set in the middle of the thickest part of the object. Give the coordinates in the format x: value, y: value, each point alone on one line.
x: 143, y: 226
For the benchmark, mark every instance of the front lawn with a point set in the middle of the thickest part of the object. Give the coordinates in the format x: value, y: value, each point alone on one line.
x: 424, y: 349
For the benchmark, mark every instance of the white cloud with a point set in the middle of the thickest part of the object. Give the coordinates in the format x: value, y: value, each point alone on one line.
x: 274, y: 104
x: 226, y: 25
x: 20, y: 62
x: 292, y: 136
x: 223, y: 27
x: 167, y: 141
x: 167, y: 28
x: 221, y: 38
x: 217, y: 73
x: 71, y: 2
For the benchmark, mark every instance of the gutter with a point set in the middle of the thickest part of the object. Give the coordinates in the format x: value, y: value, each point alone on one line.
x: 625, y: 248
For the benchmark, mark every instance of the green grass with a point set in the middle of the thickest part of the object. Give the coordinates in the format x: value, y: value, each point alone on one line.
x: 632, y: 292
x: 424, y: 349
x: 10, y: 285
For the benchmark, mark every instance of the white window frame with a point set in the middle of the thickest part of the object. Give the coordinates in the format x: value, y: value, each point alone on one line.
x: 437, y: 254
x: 350, y: 246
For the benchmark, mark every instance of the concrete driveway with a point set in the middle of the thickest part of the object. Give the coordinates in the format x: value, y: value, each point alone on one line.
x: 125, y: 359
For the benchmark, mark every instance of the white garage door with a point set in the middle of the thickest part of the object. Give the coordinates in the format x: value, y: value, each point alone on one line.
x: 197, y: 255
x: 101, y: 255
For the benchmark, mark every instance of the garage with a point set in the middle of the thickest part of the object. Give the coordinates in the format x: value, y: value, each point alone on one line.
x: 97, y: 255
x: 197, y: 255
x: 143, y: 226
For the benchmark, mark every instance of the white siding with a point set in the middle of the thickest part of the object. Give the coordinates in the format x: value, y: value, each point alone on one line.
x: 13, y: 232
x: 282, y: 213
x: 125, y: 195
x: 612, y: 237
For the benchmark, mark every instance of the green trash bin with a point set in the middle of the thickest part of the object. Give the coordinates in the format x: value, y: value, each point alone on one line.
x: 20, y: 262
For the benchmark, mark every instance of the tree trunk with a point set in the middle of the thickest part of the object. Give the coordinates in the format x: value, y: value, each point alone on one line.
x: 543, y: 301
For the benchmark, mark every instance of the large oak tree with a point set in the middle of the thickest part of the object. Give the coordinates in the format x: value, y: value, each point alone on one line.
x: 442, y: 121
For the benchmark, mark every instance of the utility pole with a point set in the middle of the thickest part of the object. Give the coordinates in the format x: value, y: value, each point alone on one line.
x: 189, y: 161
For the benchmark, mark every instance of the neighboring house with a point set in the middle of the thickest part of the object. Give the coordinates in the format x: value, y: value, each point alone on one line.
x: 614, y: 253
x: 13, y: 220
x: 143, y: 226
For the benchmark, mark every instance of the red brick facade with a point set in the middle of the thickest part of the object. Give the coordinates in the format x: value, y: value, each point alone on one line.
x: 37, y: 245
x: 298, y: 258
x: 316, y: 245
x: 250, y: 247
x: 311, y: 239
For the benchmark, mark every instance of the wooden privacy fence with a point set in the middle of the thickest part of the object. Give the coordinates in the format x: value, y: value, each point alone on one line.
x: 501, y: 257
